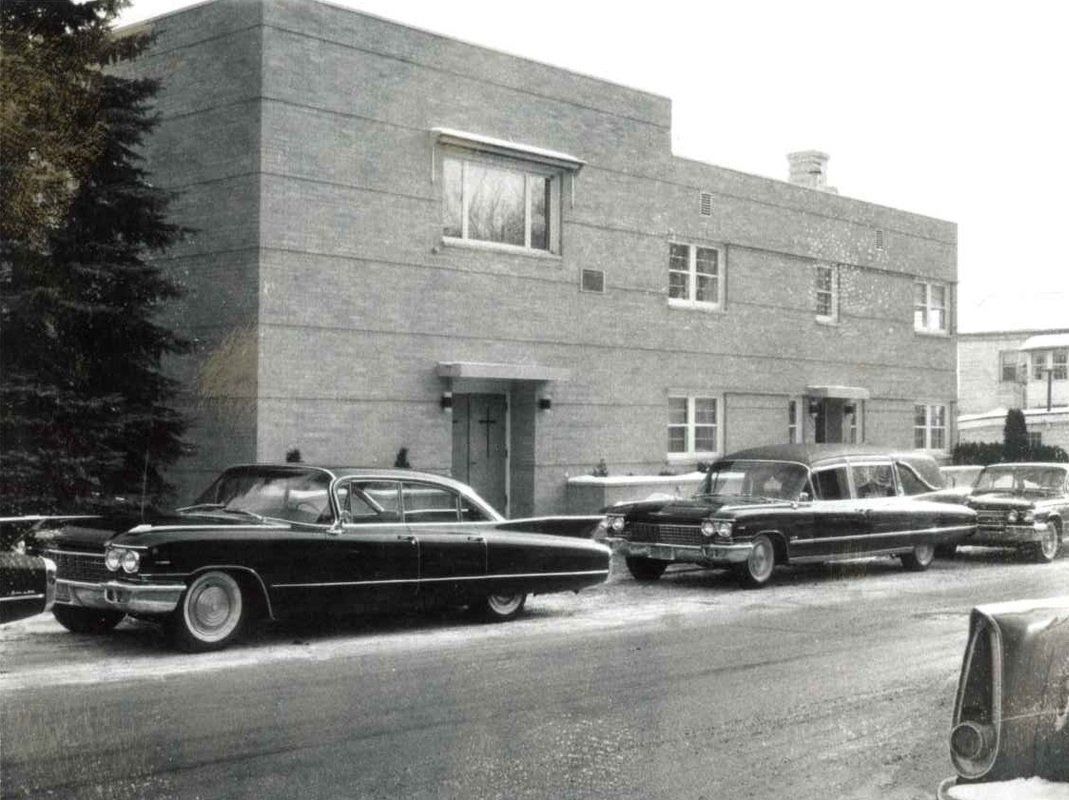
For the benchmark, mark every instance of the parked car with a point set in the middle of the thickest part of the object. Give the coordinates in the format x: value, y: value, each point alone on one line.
x: 1024, y: 506
x: 292, y: 539
x: 1012, y: 704
x: 27, y: 586
x: 791, y: 504
x: 961, y: 476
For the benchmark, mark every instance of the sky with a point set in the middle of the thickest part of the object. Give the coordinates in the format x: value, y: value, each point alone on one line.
x: 957, y: 110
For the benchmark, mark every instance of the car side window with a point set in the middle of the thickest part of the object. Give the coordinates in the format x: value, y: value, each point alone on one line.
x: 911, y: 483
x: 371, y: 501
x: 832, y: 484
x: 426, y: 503
x: 873, y: 480
x: 469, y: 512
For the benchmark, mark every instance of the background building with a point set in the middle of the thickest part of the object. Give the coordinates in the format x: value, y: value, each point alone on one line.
x: 1000, y: 370
x: 404, y: 240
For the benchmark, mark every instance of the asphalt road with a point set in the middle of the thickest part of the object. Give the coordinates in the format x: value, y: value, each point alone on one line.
x: 835, y: 682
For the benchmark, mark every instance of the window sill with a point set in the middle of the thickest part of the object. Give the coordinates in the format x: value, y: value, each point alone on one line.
x: 498, y: 247
x: 936, y: 334
x: 696, y: 305
x: 831, y: 322
x: 690, y: 458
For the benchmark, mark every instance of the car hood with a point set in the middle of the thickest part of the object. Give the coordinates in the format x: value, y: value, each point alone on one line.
x: 694, y: 508
x: 91, y: 534
x: 1000, y: 500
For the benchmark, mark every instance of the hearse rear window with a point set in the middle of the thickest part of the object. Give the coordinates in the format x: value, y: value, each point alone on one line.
x: 832, y: 484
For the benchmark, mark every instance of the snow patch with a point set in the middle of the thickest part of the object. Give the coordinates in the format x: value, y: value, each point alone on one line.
x: 1018, y: 789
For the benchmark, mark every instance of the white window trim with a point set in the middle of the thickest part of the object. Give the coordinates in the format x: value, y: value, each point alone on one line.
x: 833, y: 318
x: 928, y: 428
x: 692, y: 277
x: 928, y: 307
x: 1044, y: 359
x: 691, y: 455
x: 799, y: 415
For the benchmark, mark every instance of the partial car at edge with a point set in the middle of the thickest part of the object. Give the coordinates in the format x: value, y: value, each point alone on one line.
x: 1024, y: 506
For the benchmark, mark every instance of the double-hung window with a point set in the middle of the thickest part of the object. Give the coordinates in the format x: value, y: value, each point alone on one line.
x: 794, y: 423
x: 1007, y: 360
x: 827, y: 292
x: 929, y: 307
x: 695, y: 276
x: 692, y: 426
x: 1054, y: 361
x: 929, y: 427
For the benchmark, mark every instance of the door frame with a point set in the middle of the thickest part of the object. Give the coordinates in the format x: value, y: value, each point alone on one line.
x: 507, y: 395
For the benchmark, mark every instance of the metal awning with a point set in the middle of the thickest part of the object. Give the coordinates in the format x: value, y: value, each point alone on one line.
x: 838, y: 392
x: 1046, y: 341
x: 502, y: 147
x: 501, y: 372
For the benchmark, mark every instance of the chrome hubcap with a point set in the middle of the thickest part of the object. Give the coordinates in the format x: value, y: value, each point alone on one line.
x: 504, y: 603
x: 1050, y: 543
x: 213, y: 607
x: 761, y: 559
x: 924, y: 553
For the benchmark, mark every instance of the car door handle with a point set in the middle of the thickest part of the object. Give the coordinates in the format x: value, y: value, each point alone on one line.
x: 404, y: 538
x: 476, y: 539
x: 864, y: 511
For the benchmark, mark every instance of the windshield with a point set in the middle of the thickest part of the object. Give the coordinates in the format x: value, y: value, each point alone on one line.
x: 774, y: 480
x: 277, y: 492
x: 1021, y: 480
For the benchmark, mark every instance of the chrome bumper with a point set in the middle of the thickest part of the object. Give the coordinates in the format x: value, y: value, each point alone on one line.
x: 1010, y: 534
x: 117, y: 596
x: 50, y: 583
x: 703, y: 554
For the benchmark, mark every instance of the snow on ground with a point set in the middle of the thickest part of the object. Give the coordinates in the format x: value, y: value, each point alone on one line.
x: 1019, y: 789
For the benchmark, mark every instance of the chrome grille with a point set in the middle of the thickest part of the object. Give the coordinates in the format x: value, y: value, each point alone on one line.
x: 665, y: 534
x: 86, y: 567
x: 991, y: 519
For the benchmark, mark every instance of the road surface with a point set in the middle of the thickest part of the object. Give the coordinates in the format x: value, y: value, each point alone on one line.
x: 834, y: 682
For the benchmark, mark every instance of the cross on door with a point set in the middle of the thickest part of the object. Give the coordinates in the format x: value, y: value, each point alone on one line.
x: 487, y: 422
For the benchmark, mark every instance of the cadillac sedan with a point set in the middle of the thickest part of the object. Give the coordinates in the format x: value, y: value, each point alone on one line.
x: 273, y: 541
x: 1024, y: 506
x: 792, y: 504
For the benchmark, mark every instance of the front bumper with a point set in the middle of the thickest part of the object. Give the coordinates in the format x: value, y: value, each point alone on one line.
x: 712, y: 554
x: 1009, y: 534
x: 118, y: 596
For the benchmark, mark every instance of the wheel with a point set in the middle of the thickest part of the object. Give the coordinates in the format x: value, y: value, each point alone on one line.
x: 210, y: 614
x: 757, y: 570
x: 501, y: 607
x: 946, y: 550
x: 1046, y: 549
x: 645, y: 569
x: 86, y: 620
x: 920, y: 559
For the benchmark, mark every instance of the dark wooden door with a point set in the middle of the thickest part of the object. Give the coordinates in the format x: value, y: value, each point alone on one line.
x: 480, y: 445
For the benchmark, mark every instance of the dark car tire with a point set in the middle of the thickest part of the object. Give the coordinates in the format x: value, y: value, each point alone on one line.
x: 87, y: 620
x: 211, y: 613
x: 500, y: 607
x: 757, y: 570
x: 947, y: 551
x: 645, y: 569
x: 1046, y: 551
x: 920, y: 558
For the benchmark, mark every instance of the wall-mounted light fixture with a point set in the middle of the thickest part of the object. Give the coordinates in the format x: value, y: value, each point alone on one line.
x: 850, y: 408
x: 814, y: 407
x: 544, y: 404
x: 447, y: 401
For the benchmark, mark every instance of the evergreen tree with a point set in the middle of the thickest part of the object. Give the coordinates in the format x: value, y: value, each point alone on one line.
x: 84, y: 405
x: 1015, y: 436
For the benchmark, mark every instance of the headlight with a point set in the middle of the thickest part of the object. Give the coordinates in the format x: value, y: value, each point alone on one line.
x: 616, y: 523
x: 708, y: 528
x: 1028, y: 516
x: 113, y: 559
x: 1011, y: 517
x: 723, y: 529
x: 131, y: 560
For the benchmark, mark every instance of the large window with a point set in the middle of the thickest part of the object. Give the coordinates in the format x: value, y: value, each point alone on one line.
x: 1007, y: 366
x: 695, y: 275
x: 929, y: 307
x: 509, y: 206
x: 1057, y: 361
x: 692, y: 426
x: 929, y: 427
x: 827, y: 292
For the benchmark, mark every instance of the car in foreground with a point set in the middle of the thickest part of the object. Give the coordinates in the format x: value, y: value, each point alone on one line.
x: 1011, y: 711
x: 1023, y: 506
x: 286, y: 540
x: 27, y: 586
x: 792, y: 504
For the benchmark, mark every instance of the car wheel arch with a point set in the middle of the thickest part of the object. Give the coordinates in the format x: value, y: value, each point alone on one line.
x: 779, y: 544
x: 248, y: 579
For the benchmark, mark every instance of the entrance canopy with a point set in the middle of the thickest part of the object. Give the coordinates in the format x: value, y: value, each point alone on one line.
x: 838, y: 392
x: 481, y: 370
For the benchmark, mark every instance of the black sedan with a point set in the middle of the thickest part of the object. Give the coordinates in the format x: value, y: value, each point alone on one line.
x: 27, y: 586
x: 1024, y: 506
x: 269, y: 541
x: 794, y: 504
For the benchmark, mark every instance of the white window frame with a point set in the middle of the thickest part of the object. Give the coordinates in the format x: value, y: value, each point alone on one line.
x: 531, y: 172
x: 1043, y: 360
x: 928, y: 306
x: 1003, y: 357
x: 690, y: 300
x: 817, y: 292
x: 692, y: 455
x: 794, y: 430
x: 929, y: 427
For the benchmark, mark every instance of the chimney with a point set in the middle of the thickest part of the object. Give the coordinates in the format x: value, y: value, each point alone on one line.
x: 810, y: 168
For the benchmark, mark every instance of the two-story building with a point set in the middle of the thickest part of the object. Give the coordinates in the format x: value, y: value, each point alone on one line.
x: 406, y: 241
x: 1000, y: 370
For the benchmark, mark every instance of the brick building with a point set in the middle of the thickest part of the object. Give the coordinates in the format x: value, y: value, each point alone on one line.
x: 1000, y: 370
x: 408, y: 241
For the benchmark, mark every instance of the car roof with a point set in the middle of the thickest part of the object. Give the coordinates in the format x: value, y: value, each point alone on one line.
x: 814, y: 453
x: 386, y: 473
x: 1043, y: 464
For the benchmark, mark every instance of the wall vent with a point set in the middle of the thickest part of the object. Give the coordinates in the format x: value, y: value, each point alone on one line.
x: 879, y: 239
x: 593, y: 280
x: 705, y: 204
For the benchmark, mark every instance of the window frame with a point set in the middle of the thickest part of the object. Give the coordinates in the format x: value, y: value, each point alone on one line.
x: 1044, y: 360
x: 1003, y: 355
x: 794, y: 429
x: 529, y: 170
x: 833, y: 293
x: 930, y: 428
x: 927, y: 307
x: 691, y: 425
x: 691, y: 301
